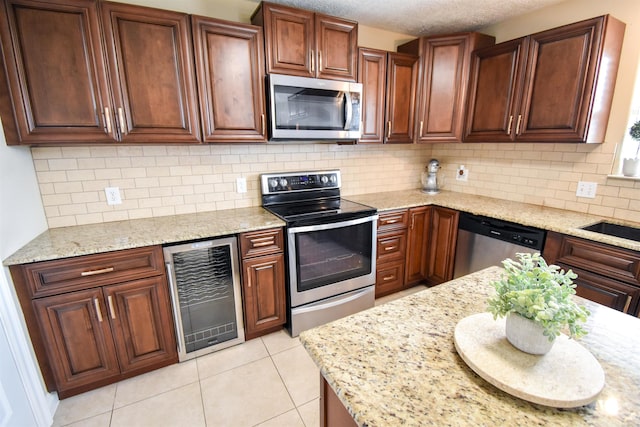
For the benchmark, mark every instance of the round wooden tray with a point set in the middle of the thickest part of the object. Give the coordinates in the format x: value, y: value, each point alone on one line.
x: 568, y: 376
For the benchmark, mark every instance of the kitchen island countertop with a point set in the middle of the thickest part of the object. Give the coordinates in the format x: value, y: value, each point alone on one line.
x: 396, y: 364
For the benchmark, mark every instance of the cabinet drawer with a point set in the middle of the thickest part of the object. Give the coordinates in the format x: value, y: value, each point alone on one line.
x: 392, y: 246
x: 89, y: 271
x: 611, y: 262
x: 261, y: 242
x: 389, y: 278
x: 393, y: 220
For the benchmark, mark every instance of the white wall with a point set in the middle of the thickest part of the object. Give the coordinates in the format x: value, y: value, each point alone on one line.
x: 21, y: 219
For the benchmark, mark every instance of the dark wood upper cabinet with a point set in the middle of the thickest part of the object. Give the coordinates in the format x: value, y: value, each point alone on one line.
x: 443, y: 83
x: 372, y: 73
x: 151, y: 63
x: 552, y: 86
x: 402, y: 80
x: 82, y: 71
x: 55, y: 89
x: 302, y: 43
x: 230, y: 69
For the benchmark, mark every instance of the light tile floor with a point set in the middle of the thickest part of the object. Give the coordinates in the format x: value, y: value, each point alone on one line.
x: 268, y: 382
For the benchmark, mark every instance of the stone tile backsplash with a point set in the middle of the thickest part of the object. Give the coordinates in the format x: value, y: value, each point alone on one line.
x: 168, y: 180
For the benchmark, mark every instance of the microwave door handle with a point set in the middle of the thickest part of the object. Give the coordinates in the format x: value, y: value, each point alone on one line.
x: 348, y: 110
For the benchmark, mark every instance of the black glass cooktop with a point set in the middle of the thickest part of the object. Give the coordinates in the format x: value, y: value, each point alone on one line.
x: 319, y: 211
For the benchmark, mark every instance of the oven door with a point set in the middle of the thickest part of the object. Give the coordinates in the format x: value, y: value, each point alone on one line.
x: 329, y: 259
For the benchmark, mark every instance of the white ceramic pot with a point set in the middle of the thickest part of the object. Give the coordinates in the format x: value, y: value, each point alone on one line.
x: 526, y: 335
x: 631, y: 167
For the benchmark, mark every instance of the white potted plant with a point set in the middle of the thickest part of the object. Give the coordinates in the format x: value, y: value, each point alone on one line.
x: 631, y: 166
x: 536, y: 298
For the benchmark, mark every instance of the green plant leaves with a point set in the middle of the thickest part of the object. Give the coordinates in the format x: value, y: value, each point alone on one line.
x: 539, y: 292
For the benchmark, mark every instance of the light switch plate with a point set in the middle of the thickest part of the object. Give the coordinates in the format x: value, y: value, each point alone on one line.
x: 587, y: 189
x: 113, y: 195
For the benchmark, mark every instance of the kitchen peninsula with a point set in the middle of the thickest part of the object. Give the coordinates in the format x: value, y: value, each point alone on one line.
x: 396, y: 364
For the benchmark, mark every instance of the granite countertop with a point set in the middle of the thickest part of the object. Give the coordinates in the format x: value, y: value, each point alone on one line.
x: 547, y: 218
x: 396, y: 364
x: 111, y: 236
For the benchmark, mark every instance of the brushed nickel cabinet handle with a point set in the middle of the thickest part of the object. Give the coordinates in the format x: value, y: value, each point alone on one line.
x: 261, y: 244
x: 390, y: 248
x: 107, y: 119
x: 389, y: 129
x: 421, y: 127
x: 111, y: 310
x: 627, y: 304
x: 94, y: 272
x: 96, y: 304
x: 390, y: 221
x: 518, y: 124
x: 313, y: 68
x: 263, y: 124
x: 387, y: 278
x: 509, y: 125
x: 123, y: 129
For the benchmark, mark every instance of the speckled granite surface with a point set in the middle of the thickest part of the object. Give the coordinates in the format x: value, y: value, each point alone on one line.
x: 396, y: 364
x: 552, y: 219
x: 110, y: 236
x: 94, y: 238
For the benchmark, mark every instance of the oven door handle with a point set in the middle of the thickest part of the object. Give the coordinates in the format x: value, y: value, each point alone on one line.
x: 332, y: 225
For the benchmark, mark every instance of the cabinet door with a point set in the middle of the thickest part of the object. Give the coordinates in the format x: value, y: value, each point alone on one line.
x: 417, y: 245
x: 143, y: 330
x: 402, y: 77
x: 264, y: 298
x: 336, y: 47
x: 151, y: 63
x: 372, y: 72
x: 230, y: 70
x: 56, y: 73
x: 442, y: 245
x: 77, y: 336
x: 289, y: 39
x: 444, y: 81
x: 496, y: 76
x: 559, y: 95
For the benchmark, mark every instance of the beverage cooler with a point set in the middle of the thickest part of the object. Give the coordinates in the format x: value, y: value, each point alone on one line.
x: 206, y: 296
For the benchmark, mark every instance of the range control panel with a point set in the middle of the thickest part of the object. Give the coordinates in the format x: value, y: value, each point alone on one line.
x: 299, y: 181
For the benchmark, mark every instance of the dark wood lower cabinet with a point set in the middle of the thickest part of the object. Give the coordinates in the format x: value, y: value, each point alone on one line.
x: 332, y: 411
x: 263, y: 281
x: 120, y: 326
x: 418, y: 245
x: 442, y: 245
x: 606, y: 274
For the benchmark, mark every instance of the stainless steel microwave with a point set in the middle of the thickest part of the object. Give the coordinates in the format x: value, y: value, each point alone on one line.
x: 302, y: 108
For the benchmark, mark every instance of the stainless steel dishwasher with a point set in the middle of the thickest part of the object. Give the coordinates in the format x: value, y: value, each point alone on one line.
x: 483, y: 242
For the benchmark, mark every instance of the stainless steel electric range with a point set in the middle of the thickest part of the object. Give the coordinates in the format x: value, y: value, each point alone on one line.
x: 330, y: 246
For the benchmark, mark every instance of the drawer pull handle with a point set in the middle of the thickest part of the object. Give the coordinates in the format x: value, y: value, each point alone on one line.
x: 260, y: 244
x: 627, y: 304
x: 387, y: 278
x: 96, y: 304
x: 111, y: 310
x: 391, y: 221
x: 390, y: 248
x: 94, y: 272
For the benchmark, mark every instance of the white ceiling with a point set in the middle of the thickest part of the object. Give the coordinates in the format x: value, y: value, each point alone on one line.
x: 422, y: 17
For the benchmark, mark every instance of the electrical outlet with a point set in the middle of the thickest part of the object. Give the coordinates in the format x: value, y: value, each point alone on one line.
x: 587, y: 189
x: 241, y: 184
x: 113, y: 195
x: 462, y: 173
